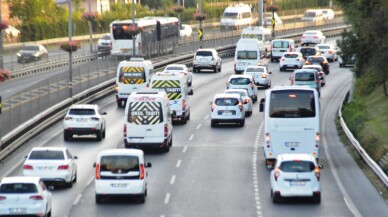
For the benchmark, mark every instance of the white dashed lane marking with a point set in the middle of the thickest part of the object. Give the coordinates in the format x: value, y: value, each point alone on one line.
x: 178, y: 164
x: 254, y: 172
x: 167, y: 198
x: 172, y: 180
x: 199, y: 125
x: 77, y: 199
x: 184, y: 149
x: 191, y: 137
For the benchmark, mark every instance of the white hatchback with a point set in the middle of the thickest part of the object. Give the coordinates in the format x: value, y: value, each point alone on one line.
x: 295, y: 175
x: 329, y: 51
x: 291, y: 60
x: 52, y: 164
x: 24, y: 196
x: 260, y: 75
x: 84, y: 119
x: 243, y: 82
x: 227, y: 108
x: 247, y: 101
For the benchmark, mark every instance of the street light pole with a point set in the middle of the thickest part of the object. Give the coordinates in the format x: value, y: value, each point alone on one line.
x: 133, y: 25
x: 260, y: 12
x: 70, y: 85
x: 200, y: 22
x: 90, y: 29
x: 1, y: 40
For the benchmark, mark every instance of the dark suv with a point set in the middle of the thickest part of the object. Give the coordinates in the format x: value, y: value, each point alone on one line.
x: 319, y: 60
x: 309, y: 51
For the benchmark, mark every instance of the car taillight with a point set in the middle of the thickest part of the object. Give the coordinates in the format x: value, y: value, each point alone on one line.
x: 330, y: 52
x: 148, y: 86
x: 97, y: 171
x: 267, y: 140
x: 246, y: 101
x: 240, y: 106
x: 142, y: 172
x: 317, y: 173
x: 125, y: 131
x: 68, y: 118
x: 63, y: 167
x: 212, y: 107
x: 27, y: 167
x: 320, y: 74
x: 183, y: 104
x: 282, y: 59
x: 36, y: 197
x: 317, y: 139
x: 315, y: 36
x: 307, y: 62
x: 165, y: 130
x: 276, y: 174
x: 264, y: 75
x: 117, y: 88
x: 95, y: 118
x: 324, y: 62
x: 2, y: 198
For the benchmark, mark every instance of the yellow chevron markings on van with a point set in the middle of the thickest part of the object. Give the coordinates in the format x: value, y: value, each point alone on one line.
x: 132, y: 69
x: 172, y: 96
x: 166, y: 83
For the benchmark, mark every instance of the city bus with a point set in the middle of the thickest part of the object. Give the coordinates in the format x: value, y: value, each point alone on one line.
x: 146, y: 44
x: 291, y: 121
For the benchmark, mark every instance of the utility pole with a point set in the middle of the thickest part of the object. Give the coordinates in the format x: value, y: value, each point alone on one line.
x: 70, y: 85
x: 200, y: 22
x: 133, y: 25
x: 90, y: 29
x: 260, y: 12
x: 1, y: 40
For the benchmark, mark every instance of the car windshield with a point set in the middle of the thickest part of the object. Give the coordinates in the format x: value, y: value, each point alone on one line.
x: 46, y: 155
x: 304, y: 76
x: 106, y: 37
x: 297, y: 166
x: 226, y: 101
x: 240, y: 81
x: 290, y: 55
x: 230, y: 15
x: 77, y: 111
x: 16, y: 188
x: 30, y: 48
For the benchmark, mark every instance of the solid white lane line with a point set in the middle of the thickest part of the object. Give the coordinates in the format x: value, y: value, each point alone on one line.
x: 167, y: 198
x: 90, y: 181
x: 178, y: 164
x: 172, y: 180
x: 77, y: 199
x: 184, y: 149
x: 191, y: 137
x: 206, y: 117
x: 199, y: 125
x: 259, y: 212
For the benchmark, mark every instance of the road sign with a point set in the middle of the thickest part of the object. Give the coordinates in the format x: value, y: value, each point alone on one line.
x: 200, y: 34
x: 273, y: 21
x: 1, y: 105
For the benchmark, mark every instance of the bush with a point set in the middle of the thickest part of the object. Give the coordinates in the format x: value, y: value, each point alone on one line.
x: 355, y: 115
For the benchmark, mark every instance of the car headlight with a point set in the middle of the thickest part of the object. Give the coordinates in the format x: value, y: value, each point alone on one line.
x: 18, y: 54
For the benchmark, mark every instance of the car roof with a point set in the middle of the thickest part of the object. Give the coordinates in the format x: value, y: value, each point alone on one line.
x: 312, y: 31
x: 20, y: 179
x: 121, y: 151
x: 255, y: 67
x: 180, y: 65
x: 290, y: 157
x: 240, y: 76
x: 286, y: 87
x: 84, y: 106
x: 292, y: 52
x: 311, y: 66
x: 207, y: 49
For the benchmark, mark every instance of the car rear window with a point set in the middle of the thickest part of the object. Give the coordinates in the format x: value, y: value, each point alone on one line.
x: 304, y: 76
x: 174, y: 68
x: 119, y: 164
x: 324, y: 47
x: 308, y: 50
x: 247, y: 55
x: 297, y: 166
x: 310, y: 33
x: 315, y: 59
x: 78, y: 111
x: 280, y: 44
x: 204, y: 53
x: 15, y: 188
x: 290, y: 55
x: 254, y: 70
x: 240, y: 81
x: 226, y: 101
x: 46, y: 155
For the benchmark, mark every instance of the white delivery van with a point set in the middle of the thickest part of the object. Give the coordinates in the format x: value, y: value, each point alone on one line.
x: 177, y: 89
x: 261, y: 34
x: 248, y: 53
x: 133, y: 75
x: 121, y: 172
x: 312, y: 15
x: 236, y: 17
x: 147, y: 121
x: 280, y: 46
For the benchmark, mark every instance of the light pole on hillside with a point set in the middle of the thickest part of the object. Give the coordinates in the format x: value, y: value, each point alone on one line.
x: 70, y: 85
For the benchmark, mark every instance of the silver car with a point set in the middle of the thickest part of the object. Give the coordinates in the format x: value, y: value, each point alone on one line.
x: 329, y: 51
x: 247, y: 101
x: 260, y: 75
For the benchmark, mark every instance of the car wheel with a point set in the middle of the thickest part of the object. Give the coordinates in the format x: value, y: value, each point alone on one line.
x: 49, y: 213
x: 275, y: 198
x: 281, y: 69
x: 184, y: 120
x: 142, y: 198
x: 215, y: 69
x: 317, y: 198
x: 75, y: 177
x: 66, y: 136
x: 272, y: 60
x: 104, y: 133
x: 213, y: 123
x: 99, y: 135
x: 341, y: 65
x: 242, y: 123
x: 98, y: 198
x: 166, y: 149
x: 119, y: 103
x: 69, y: 184
x: 219, y: 69
x: 188, y: 117
x: 330, y: 60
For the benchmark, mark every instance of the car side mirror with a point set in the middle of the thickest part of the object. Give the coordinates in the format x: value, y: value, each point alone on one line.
x: 75, y: 157
x: 148, y: 164
x: 269, y: 72
x: 191, y: 92
x: 210, y: 103
x: 104, y: 113
x: 94, y: 164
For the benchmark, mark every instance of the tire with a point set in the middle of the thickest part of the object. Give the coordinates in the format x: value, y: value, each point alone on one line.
x: 69, y: 184
x: 104, y: 133
x: 99, y: 135
x: 213, y: 124
x: 272, y: 60
x: 188, y: 117
x: 166, y: 149
x: 66, y: 136
x: 49, y: 213
x: 119, y: 103
x: 275, y: 198
x: 184, y: 120
x: 141, y: 198
x: 98, y: 199
x: 75, y: 177
x: 242, y: 123
x: 341, y: 65
x: 219, y: 69
x: 317, y: 199
x: 281, y: 69
x: 248, y: 114
x: 215, y: 69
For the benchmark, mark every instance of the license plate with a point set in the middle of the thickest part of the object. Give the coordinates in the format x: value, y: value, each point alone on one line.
x: 81, y: 120
x: 297, y: 183
x: 241, y: 64
x: 44, y: 168
x: 292, y: 144
x: 227, y: 113
x: 136, y: 139
x: 119, y: 185
x: 17, y: 210
x: 290, y: 65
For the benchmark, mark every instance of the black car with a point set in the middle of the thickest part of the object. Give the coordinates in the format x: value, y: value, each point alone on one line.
x: 309, y: 51
x: 343, y: 62
x: 31, y: 52
x: 319, y: 60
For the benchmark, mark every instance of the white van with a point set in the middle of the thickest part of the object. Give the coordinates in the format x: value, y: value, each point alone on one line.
x: 121, y: 172
x: 177, y: 89
x: 147, y: 121
x: 280, y: 46
x: 248, y: 53
x: 260, y: 33
x: 312, y: 15
x: 236, y: 17
x: 133, y: 75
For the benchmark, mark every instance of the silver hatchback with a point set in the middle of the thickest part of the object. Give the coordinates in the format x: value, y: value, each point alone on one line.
x: 260, y: 75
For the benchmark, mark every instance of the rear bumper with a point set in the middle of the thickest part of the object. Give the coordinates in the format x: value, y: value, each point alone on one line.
x: 82, y: 131
x: 164, y: 143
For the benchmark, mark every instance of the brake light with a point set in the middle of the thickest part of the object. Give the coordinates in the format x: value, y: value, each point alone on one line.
x: 240, y: 105
x: 212, y: 107
x: 63, y: 167
x: 117, y: 88
x: 276, y: 174
x: 2, y: 198
x: 125, y: 131
x: 68, y: 118
x: 36, y: 197
x: 267, y: 140
x: 282, y: 59
x: 165, y: 130
x: 324, y: 62
x: 183, y: 104
x: 307, y: 62
x: 27, y: 167
x: 142, y: 172
x: 317, y: 81
x: 317, y: 173
x: 95, y: 118
x: 264, y: 75
x: 330, y: 52
x: 97, y: 171
x: 246, y: 101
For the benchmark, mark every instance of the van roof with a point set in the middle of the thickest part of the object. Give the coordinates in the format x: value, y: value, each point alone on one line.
x: 291, y: 88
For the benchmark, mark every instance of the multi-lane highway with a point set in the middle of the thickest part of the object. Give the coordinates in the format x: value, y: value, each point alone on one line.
x: 215, y: 171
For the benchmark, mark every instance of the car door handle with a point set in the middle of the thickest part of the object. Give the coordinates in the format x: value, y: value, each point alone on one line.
x: 148, y: 129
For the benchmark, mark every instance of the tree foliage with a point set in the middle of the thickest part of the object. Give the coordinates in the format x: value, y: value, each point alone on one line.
x: 368, y: 39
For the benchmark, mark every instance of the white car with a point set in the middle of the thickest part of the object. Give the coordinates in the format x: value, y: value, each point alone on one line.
x: 227, y: 108
x: 295, y: 175
x: 312, y: 37
x: 24, y: 196
x: 179, y: 68
x: 328, y: 14
x: 247, y: 101
x: 104, y: 43
x: 243, y: 82
x: 84, y: 119
x: 207, y: 59
x: 329, y: 51
x: 186, y: 31
x: 291, y: 60
x: 52, y: 164
x: 260, y: 75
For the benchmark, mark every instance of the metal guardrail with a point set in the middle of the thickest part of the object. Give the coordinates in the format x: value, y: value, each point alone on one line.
x: 371, y: 163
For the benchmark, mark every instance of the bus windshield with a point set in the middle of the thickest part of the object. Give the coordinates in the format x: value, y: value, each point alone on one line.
x: 121, y: 31
x: 292, y: 104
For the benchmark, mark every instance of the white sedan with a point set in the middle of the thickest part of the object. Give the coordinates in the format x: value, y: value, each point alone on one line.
x: 185, y: 31
x: 312, y: 37
x: 52, y: 164
x: 180, y: 68
x: 329, y: 51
